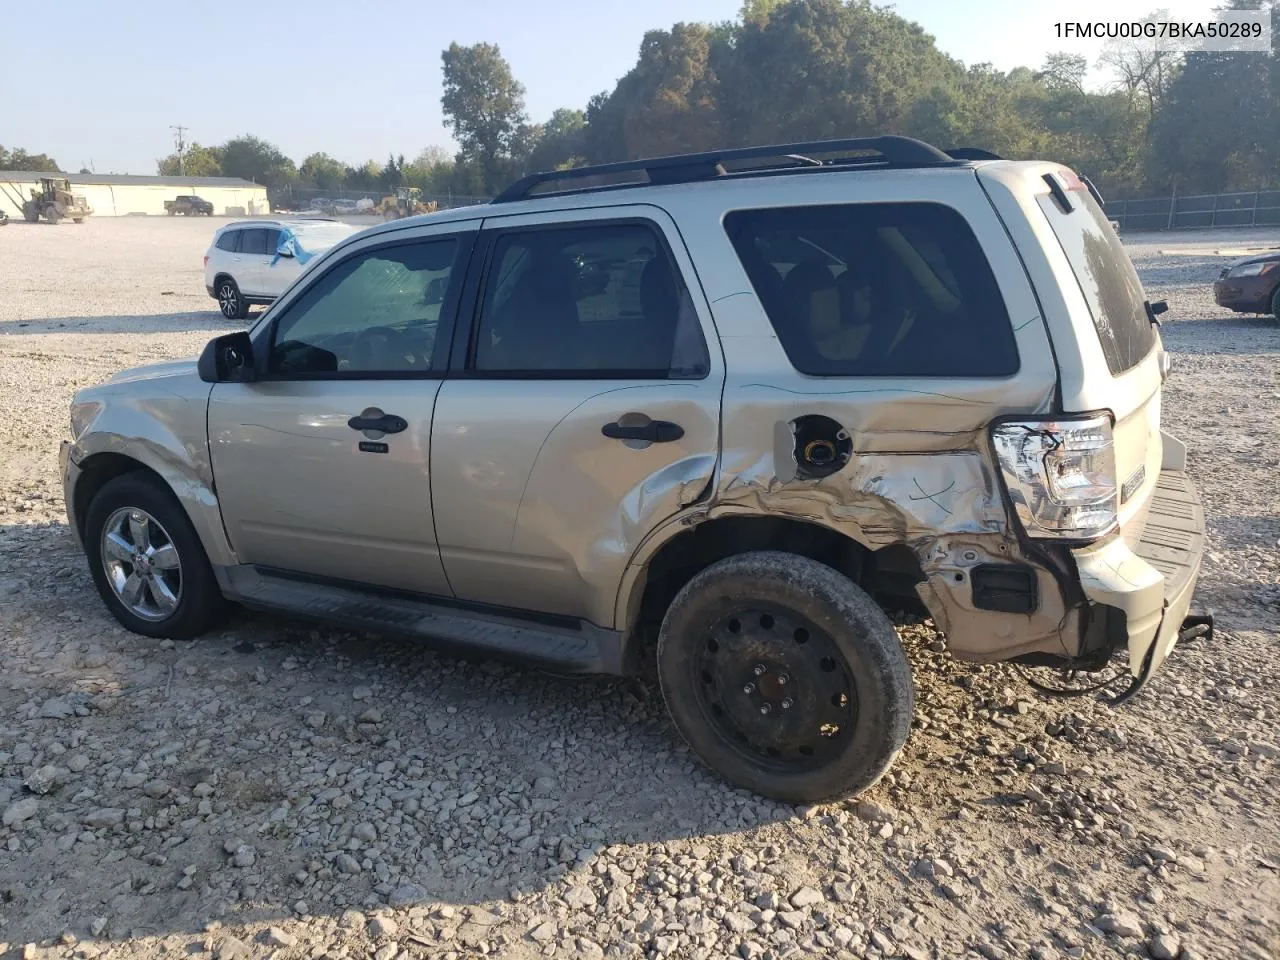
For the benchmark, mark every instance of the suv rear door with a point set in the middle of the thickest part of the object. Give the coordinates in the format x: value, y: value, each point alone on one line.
x: 581, y: 412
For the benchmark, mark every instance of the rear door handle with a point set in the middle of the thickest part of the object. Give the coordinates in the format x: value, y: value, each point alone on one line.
x: 655, y: 431
x: 375, y: 419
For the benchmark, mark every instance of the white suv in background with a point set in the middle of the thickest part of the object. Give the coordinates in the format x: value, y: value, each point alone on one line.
x: 254, y: 261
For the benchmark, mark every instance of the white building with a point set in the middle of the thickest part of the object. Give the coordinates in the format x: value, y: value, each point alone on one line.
x: 124, y: 195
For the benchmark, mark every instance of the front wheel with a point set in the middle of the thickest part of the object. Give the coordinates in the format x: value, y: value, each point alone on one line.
x: 147, y: 562
x: 785, y: 677
x: 230, y: 301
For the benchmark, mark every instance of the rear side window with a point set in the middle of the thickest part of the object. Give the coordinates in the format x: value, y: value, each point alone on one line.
x: 593, y: 300
x: 254, y: 241
x: 230, y: 241
x: 877, y: 290
x: 1106, y: 276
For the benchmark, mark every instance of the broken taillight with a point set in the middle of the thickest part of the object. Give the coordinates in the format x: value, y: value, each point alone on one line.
x: 1060, y: 475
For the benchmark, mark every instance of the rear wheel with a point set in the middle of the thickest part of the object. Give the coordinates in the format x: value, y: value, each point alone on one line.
x: 1275, y: 303
x: 147, y: 562
x: 51, y: 214
x: 230, y: 301
x: 785, y: 677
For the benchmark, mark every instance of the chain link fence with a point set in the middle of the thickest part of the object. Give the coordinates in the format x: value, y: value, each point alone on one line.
x: 1257, y: 208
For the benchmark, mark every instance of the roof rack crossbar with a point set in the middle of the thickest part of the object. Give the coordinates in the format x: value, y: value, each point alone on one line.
x: 691, y: 167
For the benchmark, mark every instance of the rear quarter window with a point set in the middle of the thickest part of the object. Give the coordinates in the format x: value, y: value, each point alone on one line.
x: 230, y: 241
x: 877, y: 290
x: 1105, y: 275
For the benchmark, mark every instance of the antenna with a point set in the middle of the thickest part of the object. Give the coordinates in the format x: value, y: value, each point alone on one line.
x: 179, y: 132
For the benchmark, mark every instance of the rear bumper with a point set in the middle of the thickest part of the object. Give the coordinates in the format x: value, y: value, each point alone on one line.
x: 1152, y: 583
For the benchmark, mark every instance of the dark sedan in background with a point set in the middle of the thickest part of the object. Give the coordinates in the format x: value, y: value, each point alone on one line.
x: 1251, y: 285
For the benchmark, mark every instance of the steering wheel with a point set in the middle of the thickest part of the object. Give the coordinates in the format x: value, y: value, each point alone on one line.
x: 380, y: 348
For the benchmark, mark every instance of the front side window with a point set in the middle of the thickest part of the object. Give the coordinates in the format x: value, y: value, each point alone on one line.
x: 592, y: 300
x: 230, y: 241
x: 272, y: 241
x: 876, y: 290
x: 374, y: 312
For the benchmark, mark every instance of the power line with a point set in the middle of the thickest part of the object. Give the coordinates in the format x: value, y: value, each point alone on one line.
x: 179, y: 136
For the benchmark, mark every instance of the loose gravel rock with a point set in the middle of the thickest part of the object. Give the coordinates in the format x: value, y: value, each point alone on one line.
x: 281, y: 788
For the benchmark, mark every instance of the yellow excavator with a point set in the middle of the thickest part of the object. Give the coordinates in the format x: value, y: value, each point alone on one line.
x: 407, y: 203
x: 54, y: 201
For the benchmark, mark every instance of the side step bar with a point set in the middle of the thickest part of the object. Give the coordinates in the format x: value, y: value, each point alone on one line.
x: 579, y: 649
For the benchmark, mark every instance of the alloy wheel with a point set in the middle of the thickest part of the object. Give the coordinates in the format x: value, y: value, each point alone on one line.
x: 142, y: 564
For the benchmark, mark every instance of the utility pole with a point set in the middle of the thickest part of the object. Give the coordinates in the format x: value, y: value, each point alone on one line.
x: 179, y: 135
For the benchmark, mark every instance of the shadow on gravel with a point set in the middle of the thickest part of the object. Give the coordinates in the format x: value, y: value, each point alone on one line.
x: 358, y: 769
x: 184, y: 322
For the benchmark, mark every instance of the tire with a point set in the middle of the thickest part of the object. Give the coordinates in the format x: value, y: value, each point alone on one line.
x: 194, y: 601
x: 51, y: 214
x: 746, y: 627
x: 78, y: 219
x: 1275, y: 303
x: 231, y: 302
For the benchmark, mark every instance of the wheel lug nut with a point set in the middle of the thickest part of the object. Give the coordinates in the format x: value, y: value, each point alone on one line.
x: 786, y: 703
x: 766, y: 708
x: 749, y: 688
x: 783, y: 678
x: 759, y: 670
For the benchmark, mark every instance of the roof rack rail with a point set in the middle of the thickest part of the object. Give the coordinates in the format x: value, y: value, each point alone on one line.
x: 971, y: 153
x: 893, y: 151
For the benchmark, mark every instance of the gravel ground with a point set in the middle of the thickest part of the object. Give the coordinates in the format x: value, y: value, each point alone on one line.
x: 278, y: 790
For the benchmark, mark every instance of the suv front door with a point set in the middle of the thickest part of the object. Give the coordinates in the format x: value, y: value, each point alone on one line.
x: 582, y: 410
x: 321, y: 464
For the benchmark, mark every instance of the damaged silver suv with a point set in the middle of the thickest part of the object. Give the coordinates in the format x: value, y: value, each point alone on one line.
x: 708, y: 413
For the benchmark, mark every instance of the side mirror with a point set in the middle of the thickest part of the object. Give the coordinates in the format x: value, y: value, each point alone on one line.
x: 285, y: 253
x: 227, y: 359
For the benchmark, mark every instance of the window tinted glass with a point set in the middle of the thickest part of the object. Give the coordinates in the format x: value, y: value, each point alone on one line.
x: 253, y: 241
x: 273, y: 241
x: 230, y: 241
x: 600, y: 300
x: 1107, y: 279
x: 374, y: 312
x: 892, y: 289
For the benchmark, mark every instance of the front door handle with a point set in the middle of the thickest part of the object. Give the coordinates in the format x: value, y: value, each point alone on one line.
x: 655, y: 431
x: 375, y: 419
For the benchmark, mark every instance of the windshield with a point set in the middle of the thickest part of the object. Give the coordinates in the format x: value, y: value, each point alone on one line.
x: 1105, y: 274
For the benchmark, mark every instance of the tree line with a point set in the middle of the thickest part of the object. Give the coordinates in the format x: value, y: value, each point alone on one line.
x: 788, y: 70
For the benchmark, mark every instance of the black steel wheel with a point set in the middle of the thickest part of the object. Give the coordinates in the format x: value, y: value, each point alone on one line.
x: 785, y: 677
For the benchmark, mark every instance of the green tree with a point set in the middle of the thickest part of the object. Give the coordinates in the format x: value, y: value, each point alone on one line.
x: 255, y: 159
x: 198, y: 162
x: 19, y: 159
x: 483, y: 104
x: 430, y: 171
x: 667, y: 103
x: 562, y: 142
x: 323, y: 172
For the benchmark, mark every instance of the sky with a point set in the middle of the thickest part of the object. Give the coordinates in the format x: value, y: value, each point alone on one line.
x: 363, y: 80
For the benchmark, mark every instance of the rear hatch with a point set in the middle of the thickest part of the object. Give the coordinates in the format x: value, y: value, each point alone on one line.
x: 1131, y: 378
